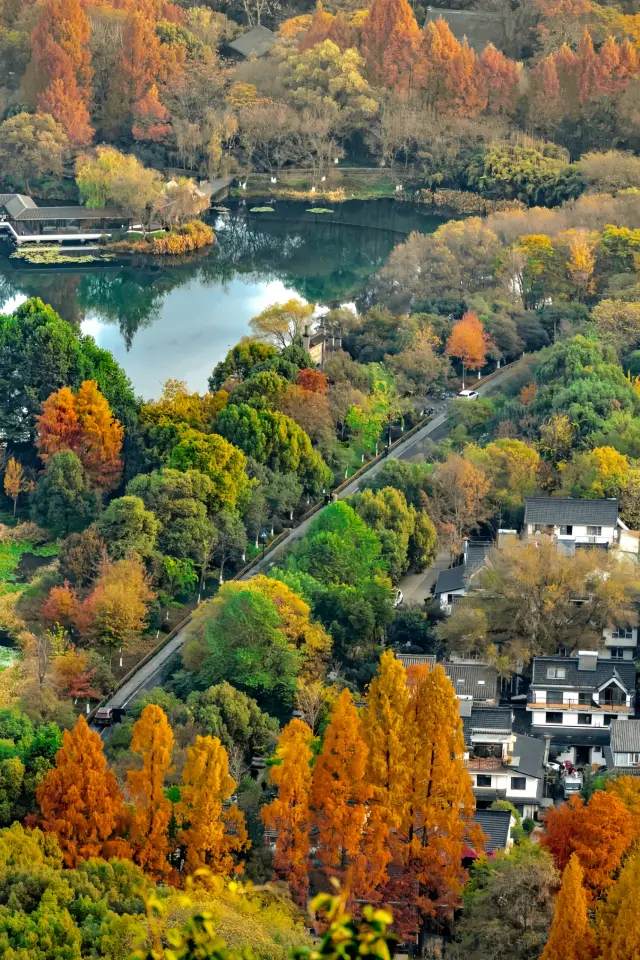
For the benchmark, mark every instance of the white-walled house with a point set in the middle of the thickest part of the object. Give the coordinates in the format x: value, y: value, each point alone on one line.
x: 516, y: 776
x: 623, y: 754
x: 572, y: 523
x: 619, y: 643
x: 575, y: 699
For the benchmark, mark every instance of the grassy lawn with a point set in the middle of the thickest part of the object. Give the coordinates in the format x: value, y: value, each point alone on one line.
x: 11, y: 554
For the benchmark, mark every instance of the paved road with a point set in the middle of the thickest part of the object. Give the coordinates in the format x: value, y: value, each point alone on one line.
x: 415, y: 587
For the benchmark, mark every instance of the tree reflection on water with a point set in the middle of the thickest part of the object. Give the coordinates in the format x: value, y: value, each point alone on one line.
x: 325, y: 259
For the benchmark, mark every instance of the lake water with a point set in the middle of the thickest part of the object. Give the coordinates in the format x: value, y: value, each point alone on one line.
x: 177, y: 321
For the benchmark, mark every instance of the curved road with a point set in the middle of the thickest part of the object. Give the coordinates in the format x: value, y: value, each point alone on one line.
x: 414, y: 587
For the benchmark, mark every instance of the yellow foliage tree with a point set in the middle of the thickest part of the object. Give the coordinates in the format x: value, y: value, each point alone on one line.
x: 387, y: 773
x: 289, y: 814
x: 213, y: 832
x: 15, y: 482
x: 440, y: 802
x: 339, y: 791
x: 581, y: 263
x: 618, y: 918
x: 571, y: 936
x: 152, y: 741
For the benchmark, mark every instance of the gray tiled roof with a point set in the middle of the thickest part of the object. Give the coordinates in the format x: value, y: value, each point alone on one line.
x: 455, y: 578
x: 24, y: 208
x: 254, y: 43
x: 487, y: 720
x: 476, y: 552
x: 416, y: 659
x: 17, y: 204
x: 623, y: 670
x: 495, y: 826
x: 69, y: 213
x: 528, y: 756
x: 625, y: 736
x: 473, y: 679
x: 491, y: 718
x: 557, y: 511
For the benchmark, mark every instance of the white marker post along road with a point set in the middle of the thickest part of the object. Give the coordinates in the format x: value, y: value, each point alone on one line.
x: 144, y: 676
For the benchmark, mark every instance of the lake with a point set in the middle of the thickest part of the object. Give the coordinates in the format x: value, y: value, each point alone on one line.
x: 176, y: 321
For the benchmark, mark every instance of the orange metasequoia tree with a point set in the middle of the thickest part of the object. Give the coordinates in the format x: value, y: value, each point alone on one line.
x: 391, y: 44
x: 152, y: 741
x: 571, y: 936
x: 387, y: 774
x: 58, y: 425
x: 339, y: 792
x: 288, y: 815
x: 440, y: 802
x: 84, y: 424
x: 61, y: 606
x: 80, y: 800
x: 468, y: 342
x: 501, y: 78
x: 213, y: 833
x: 321, y: 23
x: 599, y: 832
x: 102, y: 437
x: 60, y: 43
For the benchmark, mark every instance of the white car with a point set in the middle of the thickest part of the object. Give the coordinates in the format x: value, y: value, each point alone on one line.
x: 399, y: 598
x: 468, y: 394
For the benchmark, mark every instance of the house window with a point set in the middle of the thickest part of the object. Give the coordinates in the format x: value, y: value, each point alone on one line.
x: 608, y: 717
x: 518, y: 783
x: 584, y: 699
x: 483, y: 780
x: 554, y: 696
x: 635, y: 758
x: 584, y: 719
x: 617, y: 653
x: 556, y: 673
x: 553, y: 718
x: 566, y: 531
x: 613, y: 697
x: 622, y: 633
x: 594, y: 531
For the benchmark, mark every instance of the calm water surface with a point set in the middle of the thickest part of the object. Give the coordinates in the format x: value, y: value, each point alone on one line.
x: 178, y: 321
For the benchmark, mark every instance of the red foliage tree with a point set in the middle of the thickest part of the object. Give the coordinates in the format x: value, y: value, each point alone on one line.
x: 313, y: 380
x: 150, y: 117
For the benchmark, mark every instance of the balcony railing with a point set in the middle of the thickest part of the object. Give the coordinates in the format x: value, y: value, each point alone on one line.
x: 576, y: 707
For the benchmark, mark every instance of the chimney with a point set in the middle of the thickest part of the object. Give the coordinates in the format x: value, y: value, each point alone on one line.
x: 465, y: 706
x: 588, y: 660
x: 306, y: 339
